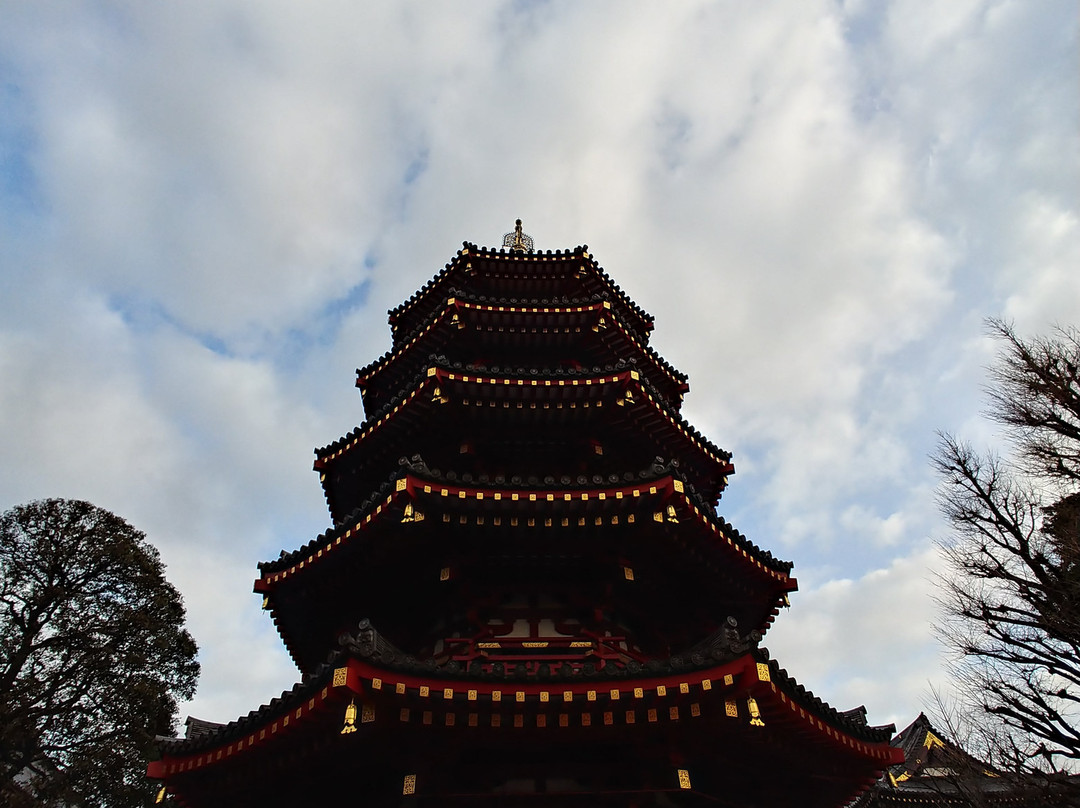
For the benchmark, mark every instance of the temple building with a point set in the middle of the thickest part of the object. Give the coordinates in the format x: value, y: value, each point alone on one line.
x: 526, y: 596
x: 936, y: 773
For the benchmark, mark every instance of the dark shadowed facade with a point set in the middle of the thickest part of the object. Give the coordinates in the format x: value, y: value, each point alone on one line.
x: 527, y: 596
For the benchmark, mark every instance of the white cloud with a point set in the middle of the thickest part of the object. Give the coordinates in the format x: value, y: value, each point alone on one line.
x: 1043, y: 266
x: 866, y: 640
x: 818, y: 201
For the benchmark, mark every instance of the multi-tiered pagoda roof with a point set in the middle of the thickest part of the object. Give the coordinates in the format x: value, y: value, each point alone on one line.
x: 527, y: 595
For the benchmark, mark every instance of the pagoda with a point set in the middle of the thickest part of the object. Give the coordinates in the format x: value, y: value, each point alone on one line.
x: 527, y: 596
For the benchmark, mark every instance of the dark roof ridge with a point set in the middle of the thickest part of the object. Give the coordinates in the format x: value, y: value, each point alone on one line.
x: 806, y: 698
x: 441, y: 362
x: 562, y: 301
x: 468, y: 249
x: 368, y: 644
x: 299, y: 692
x: 659, y: 469
x: 366, y: 505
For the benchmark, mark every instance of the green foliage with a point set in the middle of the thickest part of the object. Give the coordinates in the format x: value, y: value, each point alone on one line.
x: 93, y: 656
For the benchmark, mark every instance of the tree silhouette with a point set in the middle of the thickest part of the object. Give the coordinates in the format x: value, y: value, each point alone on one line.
x: 1012, y: 597
x: 93, y: 656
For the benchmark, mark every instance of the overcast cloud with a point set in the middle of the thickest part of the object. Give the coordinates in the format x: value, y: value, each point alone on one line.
x: 207, y: 208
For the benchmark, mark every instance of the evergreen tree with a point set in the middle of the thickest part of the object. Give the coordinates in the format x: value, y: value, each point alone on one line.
x: 93, y: 656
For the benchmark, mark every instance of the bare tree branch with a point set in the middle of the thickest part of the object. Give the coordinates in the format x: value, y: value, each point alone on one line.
x: 1011, y: 599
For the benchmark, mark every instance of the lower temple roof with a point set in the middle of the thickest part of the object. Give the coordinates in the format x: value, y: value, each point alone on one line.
x: 365, y: 686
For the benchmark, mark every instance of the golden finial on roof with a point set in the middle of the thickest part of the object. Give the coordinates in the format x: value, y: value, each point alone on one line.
x: 518, y: 241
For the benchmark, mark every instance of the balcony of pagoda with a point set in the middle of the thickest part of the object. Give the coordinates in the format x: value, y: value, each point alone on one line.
x: 652, y: 553
x: 472, y: 423
x: 569, y: 333
x: 664, y: 738
x: 480, y: 271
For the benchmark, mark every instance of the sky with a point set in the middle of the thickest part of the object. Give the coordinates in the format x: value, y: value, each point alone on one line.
x: 207, y: 208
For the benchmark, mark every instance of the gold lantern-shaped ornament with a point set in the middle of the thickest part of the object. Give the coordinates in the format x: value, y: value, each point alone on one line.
x: 755, y: 712
x: 350, y: 718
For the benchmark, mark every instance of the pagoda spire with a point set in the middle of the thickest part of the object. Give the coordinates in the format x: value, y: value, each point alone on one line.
x: 518, y: 241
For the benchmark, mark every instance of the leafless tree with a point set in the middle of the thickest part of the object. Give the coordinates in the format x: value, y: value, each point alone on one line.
x: 1012, y: 596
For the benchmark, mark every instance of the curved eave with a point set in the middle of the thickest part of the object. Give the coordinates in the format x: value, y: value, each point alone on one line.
x: 349, y: 676
x: 461, y: 265
x: 676, y: 378
x: 283, y: 718
x: 477, y: 384
x: 747, y: 695
x: 797, y: 706
x: 458, y: 313
x: 659, y: 511
x: 607, y: 283
x: 521, y: 263
x: 433, y: 286
x: 581, y: 312
x: 647, y: 499
x: 570, y: 393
